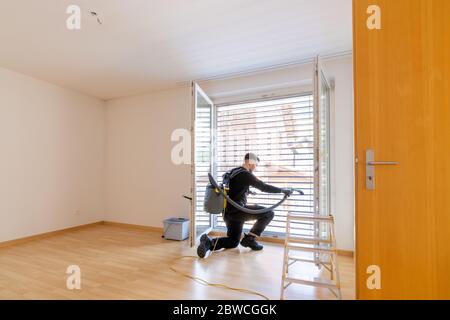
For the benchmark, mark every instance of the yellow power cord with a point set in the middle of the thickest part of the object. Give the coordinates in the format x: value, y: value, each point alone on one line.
x: 204, y: 282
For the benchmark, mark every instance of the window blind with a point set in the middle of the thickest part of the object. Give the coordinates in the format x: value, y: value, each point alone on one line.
x: 203, y: 152
x: 281, y: 133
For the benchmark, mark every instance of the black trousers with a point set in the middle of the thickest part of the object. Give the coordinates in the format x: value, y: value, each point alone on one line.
x: 235, y: 220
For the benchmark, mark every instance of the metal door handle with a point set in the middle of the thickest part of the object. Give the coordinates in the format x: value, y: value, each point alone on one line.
x: 370, y: 168
x: 382, y: 163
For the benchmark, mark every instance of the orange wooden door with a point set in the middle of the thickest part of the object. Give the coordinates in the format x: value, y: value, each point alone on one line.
x: 402, y: 113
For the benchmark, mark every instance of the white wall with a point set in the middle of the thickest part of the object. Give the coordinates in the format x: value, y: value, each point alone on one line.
x: 144, y: 187
x: 56, y: 159
x: 52, y: 157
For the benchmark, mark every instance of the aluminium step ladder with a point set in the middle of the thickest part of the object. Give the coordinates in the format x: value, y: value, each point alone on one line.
x: 321, y: 247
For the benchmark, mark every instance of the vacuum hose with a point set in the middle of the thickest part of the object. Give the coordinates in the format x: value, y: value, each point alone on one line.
x: 243, y: 209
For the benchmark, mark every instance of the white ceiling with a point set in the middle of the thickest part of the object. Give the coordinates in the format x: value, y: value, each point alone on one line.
x: 145, y: 45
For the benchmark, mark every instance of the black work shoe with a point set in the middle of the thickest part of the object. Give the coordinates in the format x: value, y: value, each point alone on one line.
x: 249, y: 241
x: 205, y: 245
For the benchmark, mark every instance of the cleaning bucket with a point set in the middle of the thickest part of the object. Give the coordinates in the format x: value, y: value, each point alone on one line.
x: 176, y: 229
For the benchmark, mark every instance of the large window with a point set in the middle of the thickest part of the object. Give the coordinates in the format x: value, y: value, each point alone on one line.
x: 291, y: 136
x: 281, y: 132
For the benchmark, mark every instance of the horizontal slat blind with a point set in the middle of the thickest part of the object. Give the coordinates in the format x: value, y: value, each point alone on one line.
x: 203, y: 118
x: 281, y: 133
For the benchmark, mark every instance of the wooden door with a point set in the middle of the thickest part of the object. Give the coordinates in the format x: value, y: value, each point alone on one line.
x: 402, y: 113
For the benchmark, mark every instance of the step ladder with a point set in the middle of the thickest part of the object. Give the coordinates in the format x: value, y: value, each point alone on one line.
x: 321, y: 247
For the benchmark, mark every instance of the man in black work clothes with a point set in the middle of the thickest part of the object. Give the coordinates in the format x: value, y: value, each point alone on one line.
x: 235, y: 219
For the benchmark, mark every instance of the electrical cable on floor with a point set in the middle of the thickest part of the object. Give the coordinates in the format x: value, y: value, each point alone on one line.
x: 206, y: 283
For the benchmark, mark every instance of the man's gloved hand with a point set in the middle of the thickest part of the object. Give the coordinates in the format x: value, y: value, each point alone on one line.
x: 287, y: 192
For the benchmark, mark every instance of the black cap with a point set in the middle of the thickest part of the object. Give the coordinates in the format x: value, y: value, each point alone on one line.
x: 251, y: 156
